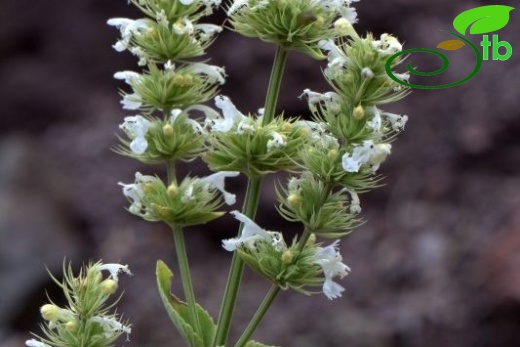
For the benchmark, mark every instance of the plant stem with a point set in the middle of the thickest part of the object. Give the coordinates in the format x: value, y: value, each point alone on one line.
x: 250, y: 206
x: 170, y: 170
x: 189, y: 296
x: 237, y: 267
x: 182, y: 258
x: 275, y: 81
x: 259, y: 315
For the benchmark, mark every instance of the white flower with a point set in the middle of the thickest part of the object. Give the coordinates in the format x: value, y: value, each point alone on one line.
x: 134, y: 192
x: 367, y: 153
x: 379, y: 154
x: 207, y: 31
x: 111, y: 326
x: 277, y: 141
x: 35, y: 343
x: 136, y: 127
x: 355, y: 205
x: 336, y: 57
x: 184, y: 27
x: 229, y: 111
x: 319, y: 136
x: 330, y: 99
x: 132, y: 102
x: 237, y: 4
x: 397, y: 121
x: 139, y: 53
x: 188, y: 194
x: 330, y: 261
x: 176, y: 112
x: 127, y: 27
x: 217, y: 181
x: 162, y: 19
x: 130, y: 77
x: 375, y: 122
x: 360, y: 155
x: 213, y: 72
x: 387, y: 45
x: 251, y: 233
x: 245, y: 126
x: 115, y: 269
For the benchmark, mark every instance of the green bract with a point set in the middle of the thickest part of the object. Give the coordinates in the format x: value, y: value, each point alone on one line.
x: 362, y: 78
x: 190, y: 203
x: 287, y: 268
x: 293, y: 24
x: 161, y: 43
x: 327, y: 216
x: 86, y: 321
x: 254, y: 149
x: 174, y: 10
x: 172, y: 87
x: 177, y: 138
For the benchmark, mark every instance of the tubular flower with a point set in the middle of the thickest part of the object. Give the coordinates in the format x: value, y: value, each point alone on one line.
x: 330, y: 261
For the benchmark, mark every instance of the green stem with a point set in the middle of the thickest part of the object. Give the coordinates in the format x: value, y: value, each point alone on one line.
x: 237, y: 267
x: 170, y: 171
x: 259, y: 315
x: 275, y: 81
x: 182, y: 257
x: 250, y: 206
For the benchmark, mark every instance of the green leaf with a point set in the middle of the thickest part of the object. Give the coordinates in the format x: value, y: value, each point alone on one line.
x: 257, y: 344
x: 483, y: 19
x: 179, y: 313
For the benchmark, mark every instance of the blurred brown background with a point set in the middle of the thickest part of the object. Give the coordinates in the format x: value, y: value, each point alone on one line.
x: 436, y: 264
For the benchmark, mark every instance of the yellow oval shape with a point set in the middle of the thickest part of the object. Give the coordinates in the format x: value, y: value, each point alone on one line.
x: 451, y: 45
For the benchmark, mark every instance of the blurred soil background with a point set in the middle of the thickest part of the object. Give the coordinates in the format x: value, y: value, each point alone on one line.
x: 436, y: 264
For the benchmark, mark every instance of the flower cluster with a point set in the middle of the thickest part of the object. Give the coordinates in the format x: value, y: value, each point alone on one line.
x: 86, y: 321
x: 193, y: 201
x: 293, y: 24
x: 288, y: 266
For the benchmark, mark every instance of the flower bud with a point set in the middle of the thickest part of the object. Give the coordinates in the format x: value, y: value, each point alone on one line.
x: 71, y: 326
x: 359, y: 112
x: 294, y: 200
x: 311, y: 240
x: 343, y: 27
x: 172, y: 190
x: 286, y: 127
x: 167, y: 130
x: 108, y: 286
x: 333, y: 154
x: 367, y: 73
x: 50, y: 312
x: 287, y: 256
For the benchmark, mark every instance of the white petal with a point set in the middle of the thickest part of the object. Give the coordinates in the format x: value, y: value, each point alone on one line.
x: 114, y: 270
x: 211, y: 71
x: 35, y: 343
x: 331, y: 289
x: 131, y: 102
x: 138, y: 145
x: 130, y: 77
x: 217, y: 181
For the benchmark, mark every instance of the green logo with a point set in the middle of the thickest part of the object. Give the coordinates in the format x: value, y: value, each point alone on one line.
x: 479, y: 20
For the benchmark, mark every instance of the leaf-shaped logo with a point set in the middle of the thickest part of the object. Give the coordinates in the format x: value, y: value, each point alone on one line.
x: 483, y: 19
x: 451, y: 45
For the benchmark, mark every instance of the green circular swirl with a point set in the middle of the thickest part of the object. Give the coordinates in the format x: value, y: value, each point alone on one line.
x: 445, y: 64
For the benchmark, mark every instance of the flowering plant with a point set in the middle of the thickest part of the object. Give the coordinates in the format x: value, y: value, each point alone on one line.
x: 331, y: 158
